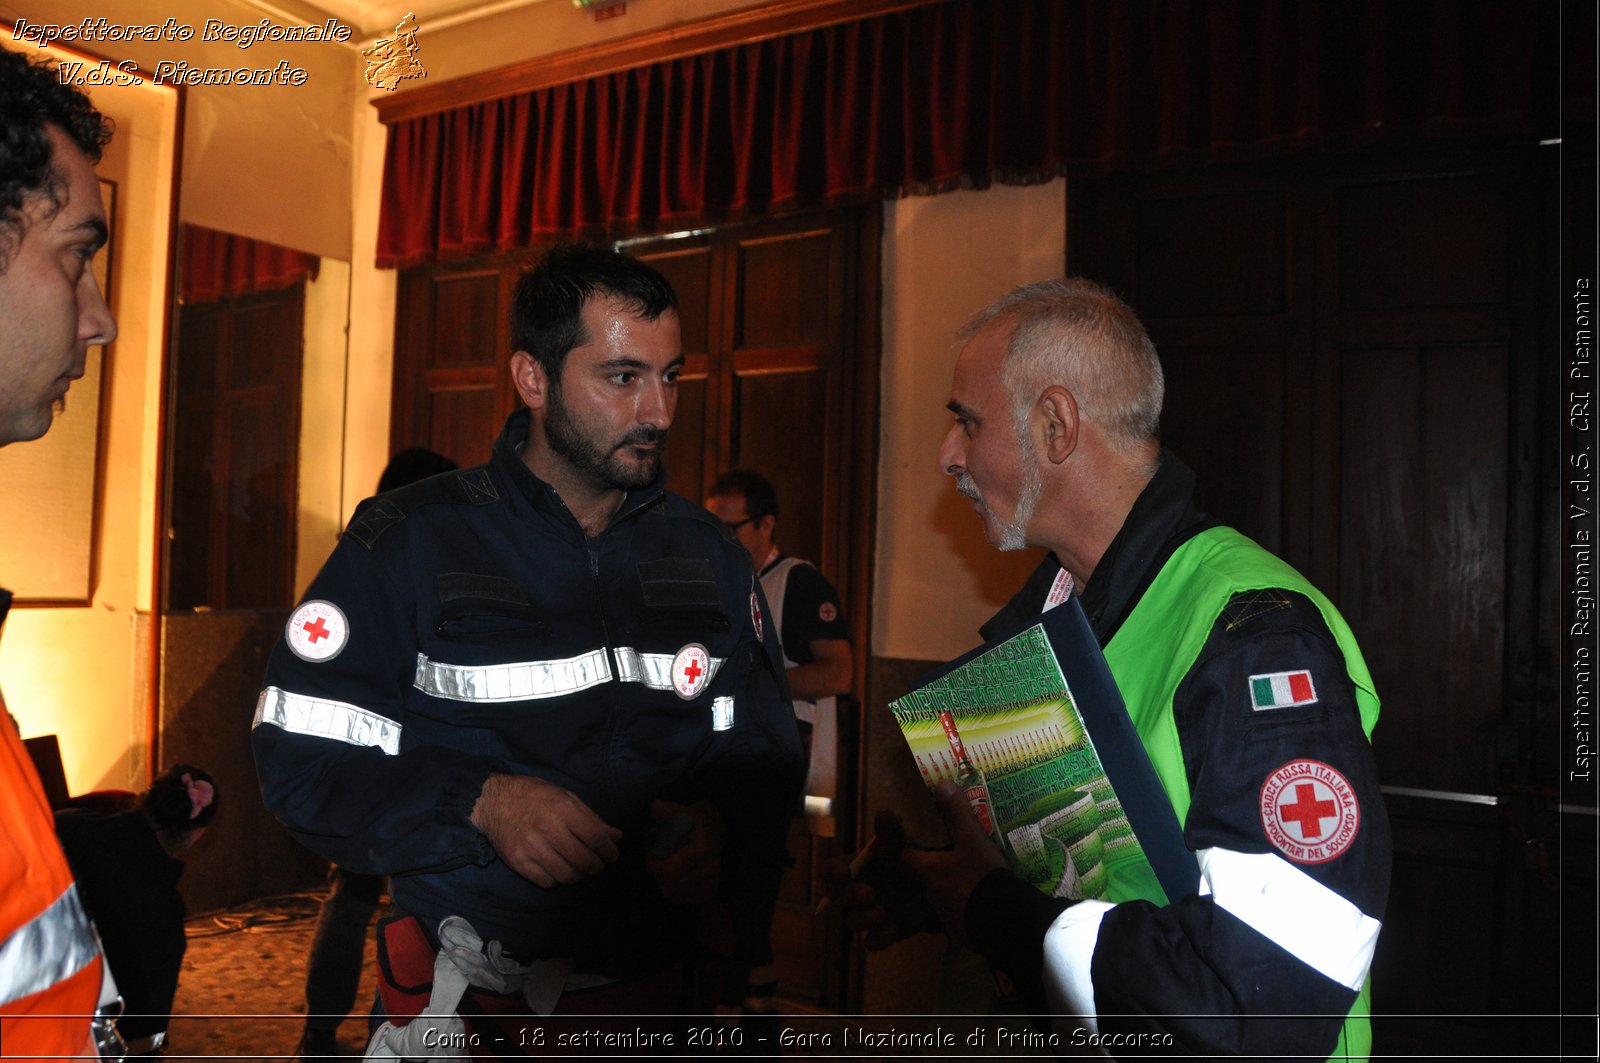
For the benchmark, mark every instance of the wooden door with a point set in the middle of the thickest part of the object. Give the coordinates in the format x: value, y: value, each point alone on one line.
x: 1357, y: 369
x: 235, y: 452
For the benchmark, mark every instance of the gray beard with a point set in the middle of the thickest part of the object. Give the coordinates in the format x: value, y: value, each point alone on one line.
x: 1013, y: 532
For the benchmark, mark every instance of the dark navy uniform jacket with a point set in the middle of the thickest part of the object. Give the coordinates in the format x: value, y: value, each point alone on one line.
x: 1162, y: 970
x: 482, y: 632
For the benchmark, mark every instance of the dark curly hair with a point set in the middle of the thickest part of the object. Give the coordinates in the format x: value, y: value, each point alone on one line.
x: 32, y: 96
x: 168, y: 806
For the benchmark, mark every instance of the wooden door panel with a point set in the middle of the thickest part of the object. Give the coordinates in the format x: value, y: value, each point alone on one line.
x: 688, y: 267
x: 1424, y: 440
x: 461, y: 423
x: 1240, y: 471
x: 1423, y: 241
x: 1240, y: 231
x: 466, y: 312
x: 259, y: 507
x: 234, y: 452
x: 782, y: 431
x: 786, y: 291
x: 685, y: 453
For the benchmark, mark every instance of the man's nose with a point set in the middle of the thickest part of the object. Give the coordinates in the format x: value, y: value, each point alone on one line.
x: 96, y: 325
x: 659, y: 402
x: 952, y: 452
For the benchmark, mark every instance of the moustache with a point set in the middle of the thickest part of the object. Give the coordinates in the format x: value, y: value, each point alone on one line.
x: 644, y: 435
x: 965, y: 486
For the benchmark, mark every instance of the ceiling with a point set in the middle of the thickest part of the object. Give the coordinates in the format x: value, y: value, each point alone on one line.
x: 374, y: 18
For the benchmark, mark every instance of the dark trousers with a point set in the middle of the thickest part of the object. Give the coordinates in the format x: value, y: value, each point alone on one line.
x: 333, y: 972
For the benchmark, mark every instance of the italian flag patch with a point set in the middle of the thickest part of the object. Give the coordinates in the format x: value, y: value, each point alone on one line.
x: 1281, y: 690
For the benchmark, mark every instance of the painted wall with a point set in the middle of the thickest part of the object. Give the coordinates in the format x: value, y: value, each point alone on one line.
x: 81, y: 672
x: 944, y: 257
x: 270, y: 162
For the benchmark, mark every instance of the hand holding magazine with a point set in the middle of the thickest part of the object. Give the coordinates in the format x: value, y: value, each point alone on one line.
x: 1031, y: 726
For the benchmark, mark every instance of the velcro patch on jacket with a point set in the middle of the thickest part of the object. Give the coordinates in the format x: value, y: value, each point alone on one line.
x: 373, y: 521
x: 454, y: 585
x: 1282, y: 690
x: 679, y: 581
x: 1246, y: 606
x: 478, y: 486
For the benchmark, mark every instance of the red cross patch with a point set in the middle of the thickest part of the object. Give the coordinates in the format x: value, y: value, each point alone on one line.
x: 1309, y: 811
x: 317, y: 631
x: 755, y: 615
x: 691, y: 667
x: 827, y: 612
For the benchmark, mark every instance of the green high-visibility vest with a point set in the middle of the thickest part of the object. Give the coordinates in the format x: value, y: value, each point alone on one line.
x: 1162, y: 638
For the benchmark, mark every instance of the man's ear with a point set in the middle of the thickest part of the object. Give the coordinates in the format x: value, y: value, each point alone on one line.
x: 1059, y: 409
x: 766, y: 524
x: 530, y: 380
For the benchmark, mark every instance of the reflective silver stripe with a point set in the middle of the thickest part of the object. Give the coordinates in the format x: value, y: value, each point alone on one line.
x: 530, y: 680
x: 654, y: 670
x: 50, y: 948
x: 518, y: 681
x: 722, y: 713
x: 1289, y: 907
x: 320, y: 718
x: 1069, y: 947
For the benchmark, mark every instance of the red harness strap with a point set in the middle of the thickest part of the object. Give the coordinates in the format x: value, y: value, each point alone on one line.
x: 622, y: 1018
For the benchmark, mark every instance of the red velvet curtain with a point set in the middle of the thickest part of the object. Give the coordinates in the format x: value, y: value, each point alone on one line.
x: 962, y: 94
x: 218, y: 265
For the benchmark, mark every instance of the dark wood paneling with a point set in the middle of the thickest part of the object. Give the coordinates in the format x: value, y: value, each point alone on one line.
x: 452, y: 342
x: 1421, y: 242
x: 211, y: 669
x: 1240, y: 472
x: 466, y: 311
x: 457, y: 418
x: 236, y: 437
x: 785, y: 287
x: 780, y: 431
x: 1244, y: 229
x: 1424, y: 440
x: 688, y: 265
x: 685, y: 454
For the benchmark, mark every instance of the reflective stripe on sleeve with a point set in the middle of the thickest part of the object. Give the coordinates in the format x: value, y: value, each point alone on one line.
x: 654, y: 670
x: 532, y: 680
x: 1068, y: 952
x: 50, y: 948
x: 303, y: 715
x: 1293, y: 910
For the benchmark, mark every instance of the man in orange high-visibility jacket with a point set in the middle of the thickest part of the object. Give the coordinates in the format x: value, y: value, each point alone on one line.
x: 51, y: 224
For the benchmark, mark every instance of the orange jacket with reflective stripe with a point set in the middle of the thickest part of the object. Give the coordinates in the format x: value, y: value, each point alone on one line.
x: 49, y: 957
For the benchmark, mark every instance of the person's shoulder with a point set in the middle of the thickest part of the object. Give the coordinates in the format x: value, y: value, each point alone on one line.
x: 1251, y: 616
x: 376, y: 516
x: 675, y: 507
x: 806, y: 575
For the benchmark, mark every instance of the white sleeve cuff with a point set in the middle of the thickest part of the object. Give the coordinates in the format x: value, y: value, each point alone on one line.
x: 1068, y: 952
